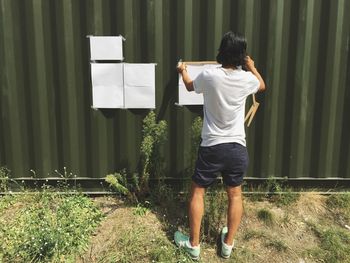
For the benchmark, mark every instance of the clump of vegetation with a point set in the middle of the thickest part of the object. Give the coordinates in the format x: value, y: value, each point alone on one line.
x: 215, y: 214
x: 339, y: 204
x: 334, y: 244
x: 282, y: 196
x: 339, y: 201
x: 45, y: 226
x: 154, y: 134
x: 135, y: 235
x: 119, y: 183
x: 142, y: 209
x: 279, y: 245
x: 196, y: 131
x: 4, y: 179
x: 251, y: 233
x: 266, y: 216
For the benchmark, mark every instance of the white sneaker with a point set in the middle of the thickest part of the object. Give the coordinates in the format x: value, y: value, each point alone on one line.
x: 183, y: 241
x: 225, y: 249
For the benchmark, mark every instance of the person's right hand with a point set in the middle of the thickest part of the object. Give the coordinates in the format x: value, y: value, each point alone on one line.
x: 181, y: 67
x: 249, y: 64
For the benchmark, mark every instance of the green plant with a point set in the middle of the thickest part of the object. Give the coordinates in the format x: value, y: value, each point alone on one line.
x: 196, y: 130
x: 142, y: 209
x: 279, y: 194
x: 273, y: 186
x: 339, y: 200
x: 287, y: 198
x: 119, y: 183
x: 334, y: 244
x: 266, y: 216
x: 46, y: 226
x: 154, y: 135
x: 215, y: 214
x: 4, y: 179
x: 66, y: 176
x: 339, y: 205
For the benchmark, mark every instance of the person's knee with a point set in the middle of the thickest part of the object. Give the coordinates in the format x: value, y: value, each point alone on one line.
x: 234, y: 192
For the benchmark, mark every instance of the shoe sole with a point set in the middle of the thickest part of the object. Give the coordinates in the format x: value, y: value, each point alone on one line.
x: 225, y: 257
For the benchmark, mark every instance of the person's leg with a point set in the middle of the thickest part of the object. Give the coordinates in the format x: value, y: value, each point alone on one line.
x: 196, y: 210
x: 234, y: 212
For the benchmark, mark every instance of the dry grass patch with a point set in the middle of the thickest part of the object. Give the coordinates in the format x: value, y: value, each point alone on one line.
x: 297, y: 233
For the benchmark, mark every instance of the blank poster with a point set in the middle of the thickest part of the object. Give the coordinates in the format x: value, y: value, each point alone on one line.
x: 139, y: 86
x: 107, y: 85
x: 192, y: 98
x: 106, y: 48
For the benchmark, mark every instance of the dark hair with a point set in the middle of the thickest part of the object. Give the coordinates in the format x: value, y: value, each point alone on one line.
x: 232, y: 50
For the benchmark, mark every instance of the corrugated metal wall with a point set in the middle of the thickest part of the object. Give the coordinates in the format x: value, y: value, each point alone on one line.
x: 301, y: 47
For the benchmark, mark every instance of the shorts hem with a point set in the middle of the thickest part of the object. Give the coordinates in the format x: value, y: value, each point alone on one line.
x: 233, y: 184
x: 199, y: 183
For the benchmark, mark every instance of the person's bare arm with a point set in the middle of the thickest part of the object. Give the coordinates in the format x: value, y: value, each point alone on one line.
x: 182, y: 69
x: 251, y: 67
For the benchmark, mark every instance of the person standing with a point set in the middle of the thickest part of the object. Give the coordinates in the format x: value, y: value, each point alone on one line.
x: 223, y: 147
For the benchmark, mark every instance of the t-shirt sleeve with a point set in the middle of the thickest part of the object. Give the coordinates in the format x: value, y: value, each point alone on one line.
x: 199, y: 82
x: 252, y: 84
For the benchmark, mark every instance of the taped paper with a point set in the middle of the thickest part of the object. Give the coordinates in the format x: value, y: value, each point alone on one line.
x: 106, y: 48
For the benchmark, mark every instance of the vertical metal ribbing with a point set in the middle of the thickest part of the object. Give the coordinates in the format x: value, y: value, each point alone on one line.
x: 272, y: 122
x: 251, y: 19
x: 159, y: 28
x: 300, y: 47
x: 208, y: 22
x: 71, y: 89
x: 3, y: 81
x: 99, y: 135
x: 13, y: 123
x: 249, y: 16
x: 128, y: 119
x: 218, y: 24
x: 158, y: 43
x: 303, y: 95
x: 332, y: 108
x: 344, y: 160
x: 167, y: 108
x: 43, y: 120
x: 183, y: 116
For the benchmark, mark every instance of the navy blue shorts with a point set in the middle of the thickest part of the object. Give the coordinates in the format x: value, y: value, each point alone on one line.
x: 229, y: 159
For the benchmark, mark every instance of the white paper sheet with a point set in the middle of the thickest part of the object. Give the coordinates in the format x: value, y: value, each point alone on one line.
x: 106, y: 48
x: 139, y: 86
x: 192, y: 98
x: 107, y: 85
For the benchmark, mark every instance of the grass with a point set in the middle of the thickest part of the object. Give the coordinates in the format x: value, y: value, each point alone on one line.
x: 126, y: 236
x: 215, y: 214
x: 274, y: 191
x: 339, y: 201
x: 266, y: 216
x: 141, y: 209
x: 334, y: 244
x: 49, y: 227
x: 45, y: 226
x: 279, y: 245
x: 249, y: 234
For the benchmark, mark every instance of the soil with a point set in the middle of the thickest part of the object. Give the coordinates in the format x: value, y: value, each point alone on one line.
x: 287, y: 239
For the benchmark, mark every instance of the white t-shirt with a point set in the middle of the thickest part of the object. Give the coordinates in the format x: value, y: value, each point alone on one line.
x: 225, y: 92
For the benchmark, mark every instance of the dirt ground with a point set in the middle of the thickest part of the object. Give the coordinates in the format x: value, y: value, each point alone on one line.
x: 132, y: 234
